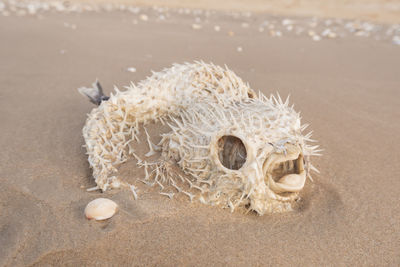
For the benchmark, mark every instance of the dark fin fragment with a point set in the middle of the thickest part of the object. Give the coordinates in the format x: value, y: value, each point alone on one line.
x: 94, y: 93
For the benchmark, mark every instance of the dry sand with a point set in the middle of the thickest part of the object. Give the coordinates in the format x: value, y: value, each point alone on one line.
x: 348, y: 90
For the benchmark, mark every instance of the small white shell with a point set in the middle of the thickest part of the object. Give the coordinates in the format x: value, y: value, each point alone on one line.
x: 100, y: 209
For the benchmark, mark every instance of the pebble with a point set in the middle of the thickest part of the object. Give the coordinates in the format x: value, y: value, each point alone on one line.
x: 299, y: 30
x: 328, y: 33
x: 362, y: 34
x: 67, y: 25
x: 328, y: 22
x: 311, y: 33
x: 326, y: 28
x: 239, y: 49
x: 196, y: 26
x: 316, y: 38
x: 287, y: 22
x: 144, y: 17
x: 332, y: 35
x: 396, y: 40
x: 313, y: 24
x: 134, y: 10
x: 131, y: 69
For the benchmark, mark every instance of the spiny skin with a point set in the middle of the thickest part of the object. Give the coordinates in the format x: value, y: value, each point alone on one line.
x: 261, y: 125
x: 203, y: 103
x: 115, y: 123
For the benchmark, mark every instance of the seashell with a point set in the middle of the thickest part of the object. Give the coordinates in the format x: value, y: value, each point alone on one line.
x: 100, y: 209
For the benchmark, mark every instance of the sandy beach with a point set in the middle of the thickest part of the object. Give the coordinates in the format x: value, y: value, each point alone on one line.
x: 346, y: 87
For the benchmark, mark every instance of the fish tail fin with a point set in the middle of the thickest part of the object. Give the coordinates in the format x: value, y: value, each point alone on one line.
x: 94, y: 93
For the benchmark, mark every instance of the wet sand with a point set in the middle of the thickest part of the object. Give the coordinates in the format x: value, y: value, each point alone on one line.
x: 347, y: 89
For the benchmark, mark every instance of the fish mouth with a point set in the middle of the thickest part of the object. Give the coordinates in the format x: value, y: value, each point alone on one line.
x: 284, y: 173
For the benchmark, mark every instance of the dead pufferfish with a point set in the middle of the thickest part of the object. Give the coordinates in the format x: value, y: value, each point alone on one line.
x: 225, y: 146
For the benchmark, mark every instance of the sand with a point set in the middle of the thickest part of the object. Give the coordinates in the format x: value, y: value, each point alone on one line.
x: 348, y: 89
x: 385, y: 11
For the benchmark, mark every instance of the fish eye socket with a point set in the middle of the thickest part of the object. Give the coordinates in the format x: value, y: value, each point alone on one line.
x: 231, y: 152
